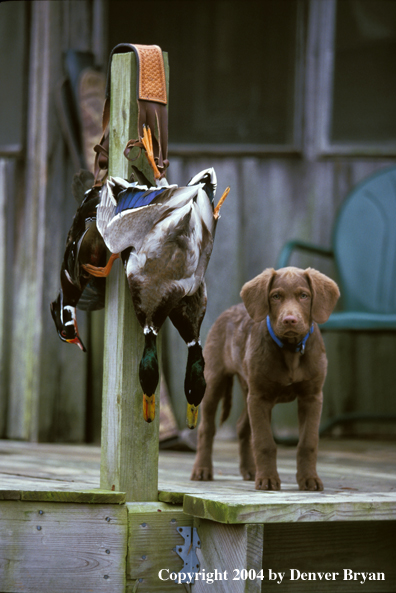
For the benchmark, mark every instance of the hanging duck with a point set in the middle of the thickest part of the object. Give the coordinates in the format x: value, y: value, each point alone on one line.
x: 164, y: 235
x: 84, y: 244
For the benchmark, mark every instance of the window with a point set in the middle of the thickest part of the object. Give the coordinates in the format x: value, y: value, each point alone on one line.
x: 234, y: 67
x: 364, y: 91
x: 13, y: 39
x: 356, y: 77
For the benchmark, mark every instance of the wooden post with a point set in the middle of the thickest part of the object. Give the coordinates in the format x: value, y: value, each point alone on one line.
x: 129, y: 457
x: 3, y: 293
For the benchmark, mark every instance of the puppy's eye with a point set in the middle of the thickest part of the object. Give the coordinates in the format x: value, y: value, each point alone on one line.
x: 304, y: 296
x: 276, y: 296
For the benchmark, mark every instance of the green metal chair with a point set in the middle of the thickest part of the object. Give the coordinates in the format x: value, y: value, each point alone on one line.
x: 364, y: 252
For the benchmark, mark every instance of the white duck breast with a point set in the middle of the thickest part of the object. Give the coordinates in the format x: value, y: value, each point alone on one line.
x: 181, y: 242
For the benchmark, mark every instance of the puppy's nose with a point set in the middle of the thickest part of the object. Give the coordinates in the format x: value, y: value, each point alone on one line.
x: 290, y: 320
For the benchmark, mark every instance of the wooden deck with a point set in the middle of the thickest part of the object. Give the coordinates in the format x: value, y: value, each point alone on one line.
x: 351, y: 525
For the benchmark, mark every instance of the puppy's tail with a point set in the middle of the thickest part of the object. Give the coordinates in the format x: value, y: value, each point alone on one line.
x: 226, y: 399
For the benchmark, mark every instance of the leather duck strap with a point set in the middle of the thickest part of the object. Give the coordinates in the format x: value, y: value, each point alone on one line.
x: 152, y: 99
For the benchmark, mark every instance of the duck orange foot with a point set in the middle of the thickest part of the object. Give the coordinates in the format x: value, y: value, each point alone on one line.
x: 147, y: 142
x: 216, y: 212
x: 101, y: 272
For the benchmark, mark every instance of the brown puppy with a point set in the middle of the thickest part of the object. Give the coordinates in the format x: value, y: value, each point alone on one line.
x: 273, y: 344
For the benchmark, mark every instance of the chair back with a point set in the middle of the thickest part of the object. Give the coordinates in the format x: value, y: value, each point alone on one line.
x: 364, y: 243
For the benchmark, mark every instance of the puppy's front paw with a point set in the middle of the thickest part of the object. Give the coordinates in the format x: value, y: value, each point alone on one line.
x: 203, y: 474
x: 268, y: 482
x: 248, y: 473
x: 311, y: 483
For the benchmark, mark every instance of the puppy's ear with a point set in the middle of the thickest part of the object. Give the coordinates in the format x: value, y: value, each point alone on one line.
x: 325, y: 295
x: 255, y: 295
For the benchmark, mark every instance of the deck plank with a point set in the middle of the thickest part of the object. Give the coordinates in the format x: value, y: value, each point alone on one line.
x: 351, y: 470
x: 291, y: 507
x: 52, y: 548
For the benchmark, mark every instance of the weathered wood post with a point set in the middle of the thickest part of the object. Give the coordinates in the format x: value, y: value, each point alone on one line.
x: 129, y: 457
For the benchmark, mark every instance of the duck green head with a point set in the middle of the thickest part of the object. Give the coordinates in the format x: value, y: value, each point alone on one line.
x: 149, y: 374
x: 194, y: 383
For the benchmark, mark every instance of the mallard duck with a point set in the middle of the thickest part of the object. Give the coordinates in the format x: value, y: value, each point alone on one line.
x: 84, y: 244
x: 164, y: 235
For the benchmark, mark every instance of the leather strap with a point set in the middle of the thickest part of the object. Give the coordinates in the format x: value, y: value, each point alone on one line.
x: 152, y: 82
x: 152, y: 98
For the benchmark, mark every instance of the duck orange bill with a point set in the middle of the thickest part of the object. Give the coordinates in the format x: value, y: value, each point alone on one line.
x: 192, y: 415
x: 149, y: 407
x: 77, y: 340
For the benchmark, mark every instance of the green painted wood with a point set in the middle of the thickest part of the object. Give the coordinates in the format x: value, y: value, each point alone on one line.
x: 364, y: 246
x: 53, y: 548
x: 129, y: 460
x: 94, y: 496
x: 10, y: 495
x: 153, y: 535
x: 171, y: 497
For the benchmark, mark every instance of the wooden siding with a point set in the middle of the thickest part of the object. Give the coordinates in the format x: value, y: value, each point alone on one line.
x: 272, y: 201
x: 52, y: 391
x: 43, y: 387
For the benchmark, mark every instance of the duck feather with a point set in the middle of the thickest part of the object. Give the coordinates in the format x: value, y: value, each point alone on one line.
x: 129, y: 227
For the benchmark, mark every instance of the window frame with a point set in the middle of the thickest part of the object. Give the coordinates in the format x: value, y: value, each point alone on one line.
x: 237, y: 149
x: 17, y: 149
x: 324, y: 20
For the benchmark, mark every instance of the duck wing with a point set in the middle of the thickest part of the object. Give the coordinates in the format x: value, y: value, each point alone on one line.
x: 83, y: 244
x: 128, y: 212
x: 200, y: 237
x: 208, y: 179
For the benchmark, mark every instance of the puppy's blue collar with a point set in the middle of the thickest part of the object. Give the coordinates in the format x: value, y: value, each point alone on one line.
x: 300, y: 347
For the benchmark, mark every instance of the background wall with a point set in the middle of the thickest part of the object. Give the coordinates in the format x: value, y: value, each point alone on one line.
x: 296, y: 138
